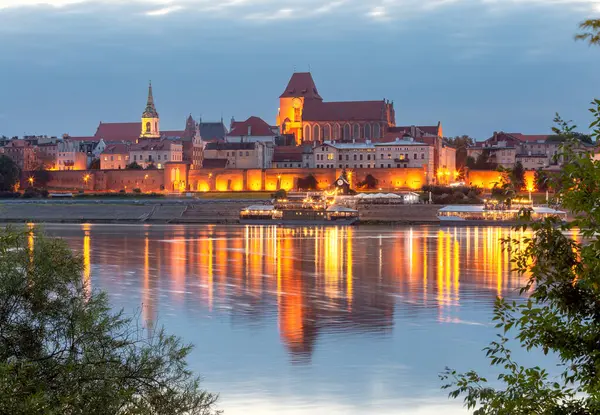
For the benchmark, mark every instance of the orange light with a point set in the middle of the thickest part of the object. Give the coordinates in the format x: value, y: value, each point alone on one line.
x: 30, y: 180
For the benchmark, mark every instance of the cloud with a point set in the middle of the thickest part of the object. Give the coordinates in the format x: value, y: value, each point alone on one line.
x: 288, y: 9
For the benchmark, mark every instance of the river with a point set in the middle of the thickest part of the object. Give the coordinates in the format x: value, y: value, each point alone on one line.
x: 310, y: 320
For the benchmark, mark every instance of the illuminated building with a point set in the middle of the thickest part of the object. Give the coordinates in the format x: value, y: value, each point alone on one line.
x: 156, y: 153
x: 150, y: 120
x: 303, y: 113
x: 115, y: 156
x: 241, y: 155
x: 252, y: 130
x: 69, y: 156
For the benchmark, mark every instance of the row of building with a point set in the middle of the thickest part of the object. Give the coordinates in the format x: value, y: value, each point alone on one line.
x: 309, y: 133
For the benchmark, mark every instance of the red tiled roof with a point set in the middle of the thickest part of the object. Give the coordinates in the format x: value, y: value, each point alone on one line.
x: 287, y: 153
x: 530, y: 137
x: 93, y: 138
x: 301, y: 84
x: 154, y: 145
x: 173, y: 133
x: 116, y: 149
x: 425, y: 129
x: 214, y: 163
x: 18, y: 143
x: 344, y: 111
x: 117, y: 131
x: 257, y: 126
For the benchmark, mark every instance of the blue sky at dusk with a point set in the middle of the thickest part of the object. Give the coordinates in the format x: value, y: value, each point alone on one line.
x: 476, y: 65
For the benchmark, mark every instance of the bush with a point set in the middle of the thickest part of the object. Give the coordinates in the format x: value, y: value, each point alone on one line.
x: 137, y: 190
x: 280, y: 194
x: 9, y: 195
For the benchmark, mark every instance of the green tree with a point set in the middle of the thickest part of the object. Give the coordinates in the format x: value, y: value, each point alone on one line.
x: 590, y: 31
x: 461, y: 143
x: 134, y: 166
x: 370, y: 182
x: 470, y: 163
x: 95, y: 164
x: 9, y: 174
x: 561, y: 315
x: 150, y: 166
x: 62, y: 351
x: 541, y: 180
x: 517, y: 176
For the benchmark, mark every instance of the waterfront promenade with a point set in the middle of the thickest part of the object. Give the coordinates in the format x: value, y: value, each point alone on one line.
x: 218, y: 211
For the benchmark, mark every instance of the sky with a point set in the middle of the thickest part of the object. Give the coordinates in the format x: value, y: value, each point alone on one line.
x: 478, y: 66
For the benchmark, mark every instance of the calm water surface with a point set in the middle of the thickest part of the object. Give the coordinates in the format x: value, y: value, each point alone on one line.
x: 310, y: 320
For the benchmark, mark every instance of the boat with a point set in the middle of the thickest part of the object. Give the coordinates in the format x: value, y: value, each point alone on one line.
x: 490, y: 214
x: 299, y: 212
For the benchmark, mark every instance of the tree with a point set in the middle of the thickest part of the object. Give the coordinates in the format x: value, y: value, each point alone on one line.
x: 370, y: 182
x: 134, y: 166
x: 41, y: 177
x: 561, y: 316
x: 483, y: 161
x: 517, y: 176
x: 307, y: 183
x: 541, y: 180
x: 95, y: 164
x: 461, y: 143
x: 9, y: 174
x: 62, y: 351
x: 150, y: 166
x: 470, y: 163
x: 591, y: 31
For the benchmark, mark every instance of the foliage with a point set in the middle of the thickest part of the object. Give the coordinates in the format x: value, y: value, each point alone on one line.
x: 95, y: 164
x: 137, y: 190
x: 151, y: 166
x: 280, y: 194
x: 470, y: 163
x: 9, y: 174
x: 517, y: 176
x: 9, y: 195
x: 482, y: 162
x: 62, y: 351
x: 134, y: 166
x: 590, y: 31
x: 41, y: 177
x: 560, y: 317
x: 33, y: 192
x: 452, y: 195
x: 461, y: 143
x: 307, y: 183
x: 370, y: 182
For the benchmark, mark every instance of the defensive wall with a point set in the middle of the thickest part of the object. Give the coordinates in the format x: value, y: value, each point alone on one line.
x: 178, y: 177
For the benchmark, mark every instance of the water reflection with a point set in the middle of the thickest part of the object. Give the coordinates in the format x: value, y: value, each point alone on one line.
x: 316, y: 314
x: 314, y: 279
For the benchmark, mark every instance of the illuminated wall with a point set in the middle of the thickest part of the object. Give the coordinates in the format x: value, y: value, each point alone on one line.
x: 482, y: 178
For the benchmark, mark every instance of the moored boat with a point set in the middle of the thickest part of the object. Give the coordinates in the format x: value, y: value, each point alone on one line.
x: 485, y: 214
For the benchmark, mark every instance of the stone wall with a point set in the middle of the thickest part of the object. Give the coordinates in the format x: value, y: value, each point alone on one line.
x: 178, y: 177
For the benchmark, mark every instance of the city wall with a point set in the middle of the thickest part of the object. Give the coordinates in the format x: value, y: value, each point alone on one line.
x: 178, y: 177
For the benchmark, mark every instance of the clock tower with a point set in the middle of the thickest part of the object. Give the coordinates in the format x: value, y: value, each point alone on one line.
x: 150, y: 119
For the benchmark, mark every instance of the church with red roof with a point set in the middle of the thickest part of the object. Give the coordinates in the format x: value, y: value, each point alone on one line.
x: 303, y: 113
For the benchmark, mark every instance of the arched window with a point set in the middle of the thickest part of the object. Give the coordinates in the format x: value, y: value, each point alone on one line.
x: 376, y: 131
x: 156, y: 127
x: 307, y: 133
x: 316, y: 132
x: 336, y: 131
x: 327, y: 132
x: 148, y: 127
x: 356, y: 132
x: 368, y: 131
x: 346, y: 132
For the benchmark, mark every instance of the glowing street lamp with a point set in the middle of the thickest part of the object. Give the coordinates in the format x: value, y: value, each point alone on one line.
x: 30, y: 180
x: 86, y: 178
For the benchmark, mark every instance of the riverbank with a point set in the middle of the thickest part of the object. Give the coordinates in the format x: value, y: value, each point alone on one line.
x: 181, y: 211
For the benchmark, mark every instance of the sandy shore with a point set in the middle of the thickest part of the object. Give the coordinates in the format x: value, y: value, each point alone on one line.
x: 180, y: 211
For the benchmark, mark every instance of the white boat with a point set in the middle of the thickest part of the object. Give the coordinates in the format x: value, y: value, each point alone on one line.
x: 486, y: 215
x: 294, y: 214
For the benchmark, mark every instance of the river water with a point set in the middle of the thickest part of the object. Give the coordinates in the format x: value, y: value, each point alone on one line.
x: 310, y: 320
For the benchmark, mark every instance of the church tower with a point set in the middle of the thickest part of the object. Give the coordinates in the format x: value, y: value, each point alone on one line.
x: 150, y: 119
x: 300, y: 88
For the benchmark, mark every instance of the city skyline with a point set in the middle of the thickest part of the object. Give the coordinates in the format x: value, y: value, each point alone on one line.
x: 509, y: 69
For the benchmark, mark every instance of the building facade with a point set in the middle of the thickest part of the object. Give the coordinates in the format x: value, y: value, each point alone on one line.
x: 22, y: 153
x: 253, y: 155
x: 303, y: 113
x: 69, y: 156
x: 151, y: 153
x: 251, y: 130
x: 115, y: 157
x: 401, y: 153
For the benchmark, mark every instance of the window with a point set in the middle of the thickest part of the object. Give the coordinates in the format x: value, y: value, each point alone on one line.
x: 105, y: 159
x: 422, y: 156
x: 241, y: 153
x: 382, y: 158
x: 361, y: 166
x: 228, y: 154
x: 347, y: 157
x: 368, y: 157
x: 336, y: 131
x: 159, y: 157
x: 367, y: 131
x: 316, y: 133
x: 148, y: 127
x: 389, y: 156
x: 376, y: 131
x: 112, y: 158
x: 356, y: 132
x: 327, y: 132
x: 247, y: 153
x: 340, y: 158
x: 346, y: 132
x: 389, y: 166
x: 307, y: 133
x: 415, y: 156
x: 355, y: 157
x: 361, y: 157
x: 330, y: 156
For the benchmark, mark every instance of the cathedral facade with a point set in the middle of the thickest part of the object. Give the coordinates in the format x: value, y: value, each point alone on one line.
x: 303, y: 113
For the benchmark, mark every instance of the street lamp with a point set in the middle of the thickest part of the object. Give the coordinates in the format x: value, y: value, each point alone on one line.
x: 30, y: 180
